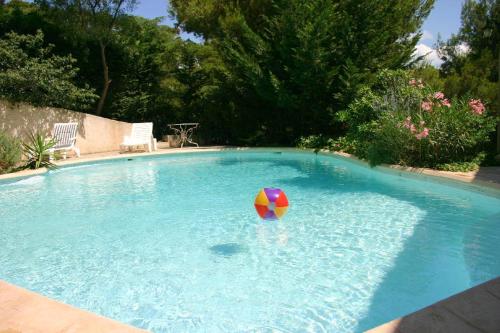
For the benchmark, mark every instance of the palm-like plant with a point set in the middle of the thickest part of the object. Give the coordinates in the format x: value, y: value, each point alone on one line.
x: 37, y: 151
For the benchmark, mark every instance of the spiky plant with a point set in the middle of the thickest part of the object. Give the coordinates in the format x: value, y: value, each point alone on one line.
x: 37, y: 150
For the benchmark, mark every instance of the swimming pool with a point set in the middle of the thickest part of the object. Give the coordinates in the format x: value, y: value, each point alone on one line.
x: 173, y: 244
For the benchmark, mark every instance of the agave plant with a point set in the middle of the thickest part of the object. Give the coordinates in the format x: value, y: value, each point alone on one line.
x: 37, y: 151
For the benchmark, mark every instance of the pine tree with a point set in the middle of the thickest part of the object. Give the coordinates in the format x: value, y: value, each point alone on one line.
x: 295, y: 63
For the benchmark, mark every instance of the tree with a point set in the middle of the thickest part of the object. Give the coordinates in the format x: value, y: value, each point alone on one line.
x: 97, y: 19
x: 29, y: 72
x: 472, y: 57
x: 139, y: 49
x: 203, y: 17
x: 294, y: 63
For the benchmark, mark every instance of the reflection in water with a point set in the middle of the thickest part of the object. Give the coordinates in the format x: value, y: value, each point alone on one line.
x: 272, y: 232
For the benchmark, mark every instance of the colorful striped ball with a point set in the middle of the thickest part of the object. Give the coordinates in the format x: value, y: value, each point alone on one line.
x: 271, y: 203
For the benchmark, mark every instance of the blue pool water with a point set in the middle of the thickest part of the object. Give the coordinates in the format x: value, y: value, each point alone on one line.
x: 173, y: 244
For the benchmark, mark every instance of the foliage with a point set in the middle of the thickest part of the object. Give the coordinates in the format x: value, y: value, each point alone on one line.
x: 10, y: 153
x: 137, y: 93
x: 204, y: 17
x: 156, y: 76
x: 204, y: 89
x: 30, y: 72
x: 94, y: 19
x: 164, y: 79
x: 37, y: 151
x: 347, y: 144
x: 272, y: 71
x: 293, y: 64
x: 431, y: 76
x: 412, y: 124
x: 472, y: 57
x: 312, y: 142
x: 458, y: 167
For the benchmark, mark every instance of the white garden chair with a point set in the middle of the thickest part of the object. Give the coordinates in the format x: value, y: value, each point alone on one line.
x: 142, y: 135
x: 64, y: 135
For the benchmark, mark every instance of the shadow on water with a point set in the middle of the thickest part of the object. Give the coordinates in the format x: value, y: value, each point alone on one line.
x: 227, y: 249
x: 440, y: 270
x: 402, y: 285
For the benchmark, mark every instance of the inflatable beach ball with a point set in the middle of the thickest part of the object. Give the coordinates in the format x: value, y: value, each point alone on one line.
x: 271, y: 203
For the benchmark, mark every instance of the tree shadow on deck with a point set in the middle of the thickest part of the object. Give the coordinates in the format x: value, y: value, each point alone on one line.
x: 488, y: 174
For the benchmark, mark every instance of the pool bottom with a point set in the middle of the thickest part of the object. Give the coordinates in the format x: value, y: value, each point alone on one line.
x: 173, y: 243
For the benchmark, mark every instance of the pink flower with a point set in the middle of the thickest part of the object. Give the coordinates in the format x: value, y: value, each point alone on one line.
x: 439, y: 95
x: 423, y: 134
x: 477, y: 106
x: 408, y: 124
x: 427, y: 106
x: 446, y: 102
x: 416, y: 83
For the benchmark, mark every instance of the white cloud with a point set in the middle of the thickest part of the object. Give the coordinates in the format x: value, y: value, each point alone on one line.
x: 427, y: 35
x: 430, y: 55
x: 462, y: 49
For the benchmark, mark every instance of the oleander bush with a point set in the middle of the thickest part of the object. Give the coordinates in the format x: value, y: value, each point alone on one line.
x: 10, y: 153
x: 401, y: 120
x: 418, y: 126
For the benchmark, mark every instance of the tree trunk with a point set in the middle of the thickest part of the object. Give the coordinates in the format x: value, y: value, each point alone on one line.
x: 106, y: 82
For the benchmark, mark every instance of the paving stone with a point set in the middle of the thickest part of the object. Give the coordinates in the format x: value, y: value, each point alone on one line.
x: 474, y: 310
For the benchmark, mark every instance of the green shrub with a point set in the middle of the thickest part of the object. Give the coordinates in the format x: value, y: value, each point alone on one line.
x: 464, y: 166
x: 30, y: 72
x: 10, y: 153
x: 344, y: 144
x: 458, y: 166
x: 312, y: 142
x: 37, y: 152
x: 409, y: 123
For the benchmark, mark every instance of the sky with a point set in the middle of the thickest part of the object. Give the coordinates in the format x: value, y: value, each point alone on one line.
x: 444, y: 20
x: 156, y: 8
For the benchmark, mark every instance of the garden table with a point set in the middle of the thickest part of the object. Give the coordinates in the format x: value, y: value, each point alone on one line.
x: 185, y: 131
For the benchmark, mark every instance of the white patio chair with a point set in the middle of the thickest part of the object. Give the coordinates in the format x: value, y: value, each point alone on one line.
x: 64, y: 135
x: 142, y: 135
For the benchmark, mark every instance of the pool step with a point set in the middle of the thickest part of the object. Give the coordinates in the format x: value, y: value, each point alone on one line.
x: 474, y: 310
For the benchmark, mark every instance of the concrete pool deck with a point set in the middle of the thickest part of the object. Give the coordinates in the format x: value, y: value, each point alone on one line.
x: 474, y: 310
x: 23, y: 311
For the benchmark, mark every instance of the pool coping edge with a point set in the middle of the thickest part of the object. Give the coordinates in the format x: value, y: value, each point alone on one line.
x: 489, y: 188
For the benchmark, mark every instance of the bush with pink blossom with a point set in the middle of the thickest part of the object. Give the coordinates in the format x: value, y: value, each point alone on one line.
x: 406, y: 122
